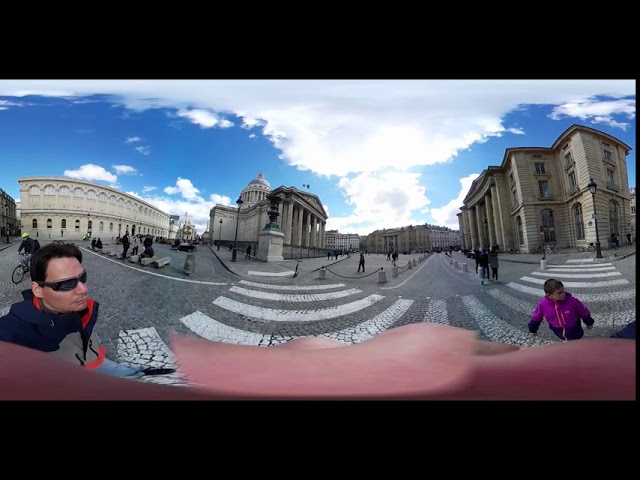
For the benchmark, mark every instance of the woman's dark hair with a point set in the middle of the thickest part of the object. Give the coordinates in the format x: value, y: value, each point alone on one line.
x: 40, y: 260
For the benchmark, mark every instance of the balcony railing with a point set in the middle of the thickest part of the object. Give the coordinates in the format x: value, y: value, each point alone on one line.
x: 573, y: 190
x: 612, y: 186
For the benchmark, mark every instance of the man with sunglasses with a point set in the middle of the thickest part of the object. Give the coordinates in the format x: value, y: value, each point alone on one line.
x: 56, y: 315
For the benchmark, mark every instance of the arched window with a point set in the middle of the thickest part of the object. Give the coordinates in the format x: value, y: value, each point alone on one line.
x: 578, y: 221
x: 111, y: 227
x: 64, y: 223
x: 77, y: 224
x: 90, y: 224
x: 101, y: 226
x: 49, y: 223
x: 520, y: 238
x: 34, y: 223
x: 614, y: 217
x: 549, y: 225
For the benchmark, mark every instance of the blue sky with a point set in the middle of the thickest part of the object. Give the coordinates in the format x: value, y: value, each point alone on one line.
x: 378, y: 153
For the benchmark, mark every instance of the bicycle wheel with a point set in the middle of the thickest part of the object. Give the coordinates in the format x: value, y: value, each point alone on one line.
x: 580, y: 248
x: 17, y: 275
x: 592, y: 248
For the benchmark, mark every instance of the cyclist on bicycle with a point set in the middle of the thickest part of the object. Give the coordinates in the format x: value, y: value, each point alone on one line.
x: 28, y: 245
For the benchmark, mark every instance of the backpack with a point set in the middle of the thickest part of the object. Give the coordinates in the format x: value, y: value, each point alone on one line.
x: 36, y: 246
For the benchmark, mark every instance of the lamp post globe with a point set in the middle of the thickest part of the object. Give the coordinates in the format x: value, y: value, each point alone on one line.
x: 234, y: 254
x: 593, y: 187
x: 219, y: 234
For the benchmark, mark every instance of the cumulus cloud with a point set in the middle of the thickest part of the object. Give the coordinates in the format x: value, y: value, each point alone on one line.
x: 124, y: 170
x: 91, y: 172
x: 598, y: 111
x: 185, y: 188
x: 446, y: 215
x: 353, y: 130
x: 204, y: 118
x: 144, y: 150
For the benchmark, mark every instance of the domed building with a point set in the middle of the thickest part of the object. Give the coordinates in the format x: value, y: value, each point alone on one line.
x: 301, y: 217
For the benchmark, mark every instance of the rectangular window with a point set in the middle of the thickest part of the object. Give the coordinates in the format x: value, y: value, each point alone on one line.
x: 543, y: 187
x: 568, y: 159
x: 633, y: 210
x: 611, y: 178
x: 540, y: 168
x: 511, y: 178
x: 607, y: 155
x: 572, y: 180
x: 514, y: 197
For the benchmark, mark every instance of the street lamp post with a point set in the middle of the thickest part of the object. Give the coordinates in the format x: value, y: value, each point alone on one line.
x: 219, y: 234
x: 239, y: 202
x: 592, y: 188
x: 89, y: 224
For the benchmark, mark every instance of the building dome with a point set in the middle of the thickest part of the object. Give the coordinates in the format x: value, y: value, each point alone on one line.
x: 257, y: 190
x: 260, y: 181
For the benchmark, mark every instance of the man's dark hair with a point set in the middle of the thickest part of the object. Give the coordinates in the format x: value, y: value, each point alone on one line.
x: 40, y: 261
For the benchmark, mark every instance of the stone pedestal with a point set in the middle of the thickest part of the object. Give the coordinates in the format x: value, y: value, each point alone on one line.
x: 270, y: 245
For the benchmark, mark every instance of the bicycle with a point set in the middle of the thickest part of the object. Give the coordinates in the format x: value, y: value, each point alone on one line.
x: 591, y: 248
x: 513, y: 250
x: 18, y: 273
x: 553, y: 249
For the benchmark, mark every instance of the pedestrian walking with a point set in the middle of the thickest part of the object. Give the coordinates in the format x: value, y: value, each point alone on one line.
x: 361, y: 262
x: 248, y: 255
x: 93, y: 244
x: 629, y: 238
x: 493, y: 263
x: 483, y: 263
x: 125, y: 245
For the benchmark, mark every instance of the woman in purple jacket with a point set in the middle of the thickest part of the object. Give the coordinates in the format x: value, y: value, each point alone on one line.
x: 562, y: 310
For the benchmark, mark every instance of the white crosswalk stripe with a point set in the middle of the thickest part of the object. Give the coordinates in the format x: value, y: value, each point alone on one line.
x: 497, y: 329
x: 610, y: 283
x: 562, y: 275
x: 437, y: 312
x: 207, y: 327
x: 294, y: 298
x: 291, y: 287
x: 373, y: 326
x: 280, y: 315
x: 584, y: 297
x: 615, y: 319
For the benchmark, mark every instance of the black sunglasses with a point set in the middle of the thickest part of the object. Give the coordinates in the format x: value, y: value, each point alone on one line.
x: 65, y: 285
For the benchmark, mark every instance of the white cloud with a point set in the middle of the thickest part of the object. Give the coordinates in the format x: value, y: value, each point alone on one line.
x: 146, y: 188
x: 446, y: 215
x: 124, y: 170
x: 204, y: 118
x: 597, y: 111
x: 91, y: 172
x: 355, y: 129
x: 133, y: 140
x: 186, y: 189
x: 144, y: 150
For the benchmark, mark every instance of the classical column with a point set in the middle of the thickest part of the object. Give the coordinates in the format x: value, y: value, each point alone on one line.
x: 300, y: 212
x: 289, y: 225
x: 490, y: 220
x: 479, y: 226
x: 504, y: 213
x: 307, y: 230
x: 314, y: 233
x: 497, y: 221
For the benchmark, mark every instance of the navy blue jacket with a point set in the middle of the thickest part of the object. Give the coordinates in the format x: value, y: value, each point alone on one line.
x: 70, y: 336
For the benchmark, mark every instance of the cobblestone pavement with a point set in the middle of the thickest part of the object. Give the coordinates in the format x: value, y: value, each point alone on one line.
x: 252, y: 302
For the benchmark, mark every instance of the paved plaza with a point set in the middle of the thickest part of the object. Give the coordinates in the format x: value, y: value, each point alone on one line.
x: 256, y: 303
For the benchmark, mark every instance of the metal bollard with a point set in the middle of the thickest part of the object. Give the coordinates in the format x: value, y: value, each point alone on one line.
x: 394, y: 271
x: 322, y: 273
x: 190, y: 264
x: 464, y: 267
x: 382, y: 276
x: 455, y: 264
x: 543, y: 265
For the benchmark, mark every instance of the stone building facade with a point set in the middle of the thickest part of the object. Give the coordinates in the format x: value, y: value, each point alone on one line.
x: 404, y: 239
x: 540, y: 191
x: 8, y: 215
x: 59, y: 207
x: 302, y: 218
